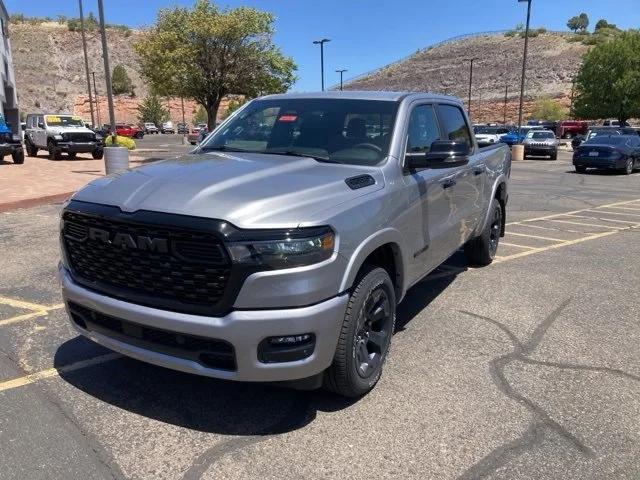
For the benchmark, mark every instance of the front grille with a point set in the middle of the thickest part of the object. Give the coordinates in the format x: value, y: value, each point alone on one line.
x: 6, y: 137
x: 190, y: 276
x: 79, y: 136
x: 212, y: 353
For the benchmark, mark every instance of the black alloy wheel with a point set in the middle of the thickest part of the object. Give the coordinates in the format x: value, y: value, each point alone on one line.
x: 375, y: 325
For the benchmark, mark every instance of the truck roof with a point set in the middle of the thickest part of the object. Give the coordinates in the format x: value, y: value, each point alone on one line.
x: 363, y: 95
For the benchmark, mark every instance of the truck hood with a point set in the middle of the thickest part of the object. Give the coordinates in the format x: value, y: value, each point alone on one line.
x: 57, y: 130
x: 246, y: 189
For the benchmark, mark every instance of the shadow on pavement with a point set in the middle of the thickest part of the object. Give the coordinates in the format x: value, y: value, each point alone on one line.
x: 218, y: 406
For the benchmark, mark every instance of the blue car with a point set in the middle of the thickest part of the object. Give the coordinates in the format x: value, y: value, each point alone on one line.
x: 512, y: 138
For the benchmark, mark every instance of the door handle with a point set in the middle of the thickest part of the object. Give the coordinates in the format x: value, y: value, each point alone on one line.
x: 478, y: 171
x: 449, y: 182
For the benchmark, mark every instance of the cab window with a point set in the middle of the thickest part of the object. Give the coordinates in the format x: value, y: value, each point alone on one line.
x: 423, y: 129
x: 453, y: 123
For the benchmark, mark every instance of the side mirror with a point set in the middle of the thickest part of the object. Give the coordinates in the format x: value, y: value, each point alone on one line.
x: 40, y: 125
x: 442, y: 154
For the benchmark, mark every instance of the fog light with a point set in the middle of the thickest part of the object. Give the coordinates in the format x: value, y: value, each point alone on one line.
x: 286, y: 348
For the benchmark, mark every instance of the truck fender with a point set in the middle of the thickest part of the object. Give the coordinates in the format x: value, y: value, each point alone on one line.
x: 502, y: 179
x: 369, y: 245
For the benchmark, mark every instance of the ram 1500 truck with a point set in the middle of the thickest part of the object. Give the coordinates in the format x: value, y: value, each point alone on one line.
x: 278, y: 250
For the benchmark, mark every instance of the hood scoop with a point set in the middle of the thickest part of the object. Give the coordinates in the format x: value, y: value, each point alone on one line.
x: 360, y: 181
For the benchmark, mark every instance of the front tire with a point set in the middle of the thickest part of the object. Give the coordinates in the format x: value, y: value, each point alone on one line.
x: 628, y: 166
x: 32, y: 151
x: 365, y: 336
x: 554, y: 155
x: 72, y: 155
x: 97, y: 154
x: 482, y: 249
x: 54, y: 152
x: 581, y: 169
x: 18, y: 157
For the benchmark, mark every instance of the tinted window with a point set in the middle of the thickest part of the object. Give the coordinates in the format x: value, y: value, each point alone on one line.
x: 337, y: 130
x: 608, y: 140
x: 536, y: 134
x: 453, y: 124
x: 423, y: 129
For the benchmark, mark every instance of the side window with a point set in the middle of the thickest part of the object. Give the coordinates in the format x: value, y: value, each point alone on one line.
x: 40, y: 120
x: 453, y: 124
x: 423, y: 129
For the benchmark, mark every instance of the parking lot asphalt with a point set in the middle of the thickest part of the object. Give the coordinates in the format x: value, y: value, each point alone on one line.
x: 526, y: 369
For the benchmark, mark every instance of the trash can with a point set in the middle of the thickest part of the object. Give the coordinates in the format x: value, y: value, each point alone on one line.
x: 116, y: 159
x: 517, y: 152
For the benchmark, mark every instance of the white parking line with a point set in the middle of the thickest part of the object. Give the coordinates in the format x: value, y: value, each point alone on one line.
x: 536, y: 236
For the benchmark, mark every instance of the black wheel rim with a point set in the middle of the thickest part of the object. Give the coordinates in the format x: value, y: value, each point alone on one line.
x: 496, y: 227
x: 373, y: 333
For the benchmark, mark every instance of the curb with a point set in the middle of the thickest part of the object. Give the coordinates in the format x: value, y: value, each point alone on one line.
x: 34, y: 202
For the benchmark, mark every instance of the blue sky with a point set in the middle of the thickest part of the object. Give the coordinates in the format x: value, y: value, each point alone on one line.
x: 365, y: 34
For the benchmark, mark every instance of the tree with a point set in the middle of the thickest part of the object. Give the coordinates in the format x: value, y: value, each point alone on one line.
x: 548, y: 109
x: 206, y: 53
x: 151, y: 110
x: 603, y: 24
x: 120, y: 81
x: 234, y: 104
x: 579, y: 22
x: 608, y: 82
x: 200, y: 116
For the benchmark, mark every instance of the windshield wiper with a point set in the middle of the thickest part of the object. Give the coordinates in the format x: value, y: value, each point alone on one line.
x: 294, y: 153
x: 224, y: 148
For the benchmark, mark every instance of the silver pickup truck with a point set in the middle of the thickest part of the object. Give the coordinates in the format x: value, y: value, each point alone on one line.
x: 278, y: 250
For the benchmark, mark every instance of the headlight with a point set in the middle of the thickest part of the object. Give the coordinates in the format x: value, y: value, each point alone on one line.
x: 297, y: 248
x: 16, y: 138
x: 58, y: 137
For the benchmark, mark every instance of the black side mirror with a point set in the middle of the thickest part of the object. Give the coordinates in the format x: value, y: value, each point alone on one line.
x: 40, y: 125
x: 442, y: 154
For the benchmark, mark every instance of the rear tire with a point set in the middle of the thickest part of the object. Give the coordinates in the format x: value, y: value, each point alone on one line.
x: 97, y: 154
x: 365, y: 336
x: 72, y: 155
x: 482, y: 249
x: 18, y: 157
x: 581, y: 169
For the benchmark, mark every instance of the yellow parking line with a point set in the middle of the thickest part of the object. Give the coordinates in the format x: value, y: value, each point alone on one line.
x: 536, y: 236
x: 55, y: 372
x: 517, y: 246
x: 621, y: 213
x: 604, y: 219
x: 554, y: 246
x: 13, y: 302
x: 28, y: 316
x: 609, y: 227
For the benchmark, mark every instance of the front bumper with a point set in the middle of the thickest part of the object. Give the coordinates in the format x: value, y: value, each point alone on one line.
x: 9, y: 148
x: 78, y: 147
x: 243, y: 329
x: 540, y: 149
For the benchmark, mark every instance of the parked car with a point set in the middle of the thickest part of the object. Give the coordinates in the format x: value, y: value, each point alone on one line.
x: 513, y: 137
x: 195, y: 135
x: 596, y: 131
x: 541, y: 143
x: 571, y: 128
x: 182, y: 128
x: 127, y: 130
x: 614, y: 123
x: 150, y: 128
x: 60, y: 134
x: 619, y: 152
x: 167, y: 127
x: 489, y: 135
x: 10, y: 143
x: 285, y: 259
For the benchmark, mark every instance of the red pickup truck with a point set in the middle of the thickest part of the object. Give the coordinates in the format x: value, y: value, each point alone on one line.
x: 571, y: 128
x: 129, y: 130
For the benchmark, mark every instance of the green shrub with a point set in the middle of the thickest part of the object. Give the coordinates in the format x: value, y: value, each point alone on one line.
x: 126, y: 142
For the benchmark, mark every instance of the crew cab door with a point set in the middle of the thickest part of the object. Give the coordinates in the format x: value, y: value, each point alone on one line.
x: 468, y: 189
x: 429, y: 217
x: 40, y: 132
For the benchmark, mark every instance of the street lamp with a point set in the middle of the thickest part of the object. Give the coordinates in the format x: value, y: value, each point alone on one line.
x: 341, y: 72
x: 524, y: 64
x: 470, y: 82
x: 321, y: 43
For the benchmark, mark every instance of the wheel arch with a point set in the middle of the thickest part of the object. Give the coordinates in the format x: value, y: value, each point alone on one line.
x: 383, y: 249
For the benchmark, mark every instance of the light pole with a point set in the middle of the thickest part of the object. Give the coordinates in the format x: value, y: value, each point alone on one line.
x: 341, y: 72
x: 470, y: 83
x: 321, y: 43
x: 524, y: 64
x: 86, y: 63
x: 95, y: 91
x: 107, y: 70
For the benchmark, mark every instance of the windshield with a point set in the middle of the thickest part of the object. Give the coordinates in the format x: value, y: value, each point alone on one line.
x: 63, y: 121
x: 490, y: 130
x: 537, y: 134
x: 595, y: 133
x: 355, y: 132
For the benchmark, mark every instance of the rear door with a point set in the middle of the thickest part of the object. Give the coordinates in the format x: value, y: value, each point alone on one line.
x: 41, y: 132
x: 469, y: 179
x: 430, y: 230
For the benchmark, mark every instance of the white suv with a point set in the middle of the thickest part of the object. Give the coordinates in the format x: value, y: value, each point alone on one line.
x: 167, y: 127
x: 150, y: 128
x: 60, y: 134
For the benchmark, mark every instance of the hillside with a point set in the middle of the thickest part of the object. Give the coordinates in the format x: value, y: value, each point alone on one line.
x: 552, y: 63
